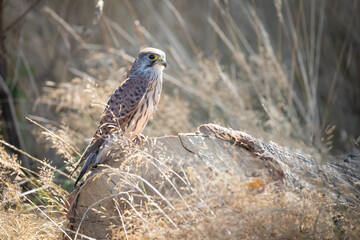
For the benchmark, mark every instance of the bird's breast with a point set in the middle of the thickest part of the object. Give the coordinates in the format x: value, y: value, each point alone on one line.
x: 145, y: 110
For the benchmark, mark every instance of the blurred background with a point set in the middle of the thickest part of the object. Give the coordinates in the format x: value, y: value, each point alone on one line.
x: 281, y: 70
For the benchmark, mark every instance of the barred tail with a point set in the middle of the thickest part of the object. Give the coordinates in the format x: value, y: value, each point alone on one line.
x: 88, y: 153
x: 89, y: 163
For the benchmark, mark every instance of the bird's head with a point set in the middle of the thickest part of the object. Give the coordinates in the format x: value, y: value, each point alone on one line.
x: 149, y: 59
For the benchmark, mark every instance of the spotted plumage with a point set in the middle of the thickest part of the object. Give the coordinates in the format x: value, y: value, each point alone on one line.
x: 131, y: 105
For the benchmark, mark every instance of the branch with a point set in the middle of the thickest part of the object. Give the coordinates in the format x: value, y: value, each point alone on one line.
x: 16, y: 21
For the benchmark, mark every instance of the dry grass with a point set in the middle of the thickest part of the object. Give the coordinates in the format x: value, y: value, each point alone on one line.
x: 226, y: 208
x: 31, y: 206
x: 237, y: 71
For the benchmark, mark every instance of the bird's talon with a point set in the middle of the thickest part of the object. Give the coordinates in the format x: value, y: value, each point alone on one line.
x: 139, y: 139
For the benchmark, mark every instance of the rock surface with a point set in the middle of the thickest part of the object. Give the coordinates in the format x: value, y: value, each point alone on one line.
x: 161, y: 169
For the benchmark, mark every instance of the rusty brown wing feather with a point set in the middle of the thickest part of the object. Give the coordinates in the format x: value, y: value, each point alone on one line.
x: 119, y: 110
x: 122, y: 105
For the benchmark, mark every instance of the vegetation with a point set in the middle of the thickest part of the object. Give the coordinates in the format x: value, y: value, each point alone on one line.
x: 282, y: 70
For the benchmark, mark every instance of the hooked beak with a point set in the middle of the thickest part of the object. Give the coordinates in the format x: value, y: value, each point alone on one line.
x: 162, y: 62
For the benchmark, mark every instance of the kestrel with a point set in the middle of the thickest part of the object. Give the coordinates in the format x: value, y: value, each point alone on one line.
x: 131, y: 106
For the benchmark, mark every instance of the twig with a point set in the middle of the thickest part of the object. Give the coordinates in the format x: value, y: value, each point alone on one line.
x: 53, y: 134
x: 183, y: 26
x: 5, y: 232
x: 11, y: 121
x: 57, y: 225
x: 35, y: 159
x: 65, y: 25
x: 16, y: 21
x: 122, y: 221
x: 136, y: 23
x: 26, y: 193
x: 99, y: 11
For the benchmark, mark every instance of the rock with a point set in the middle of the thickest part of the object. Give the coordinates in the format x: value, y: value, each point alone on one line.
x: 162, y: 171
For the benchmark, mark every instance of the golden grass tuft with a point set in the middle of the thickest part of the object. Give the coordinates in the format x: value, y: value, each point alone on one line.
x: 28, y: 201
x: 226, y: 208
x: 16, y: 224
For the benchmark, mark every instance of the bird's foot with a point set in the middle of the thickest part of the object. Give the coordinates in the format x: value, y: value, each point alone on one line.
x: 139, y: 139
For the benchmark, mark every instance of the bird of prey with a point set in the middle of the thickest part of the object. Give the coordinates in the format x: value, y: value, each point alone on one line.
x: 131, y: 105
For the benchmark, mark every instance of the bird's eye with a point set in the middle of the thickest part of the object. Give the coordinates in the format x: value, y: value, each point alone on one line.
x: 152, y: 57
